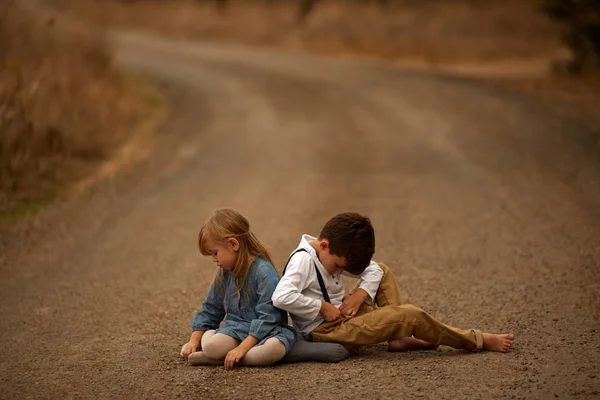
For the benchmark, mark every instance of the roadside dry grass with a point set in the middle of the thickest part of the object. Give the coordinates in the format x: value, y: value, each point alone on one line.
x: 64, y: 108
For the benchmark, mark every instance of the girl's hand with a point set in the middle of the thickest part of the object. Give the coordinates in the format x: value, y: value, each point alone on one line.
x: 234, y: 356
x: 189, y: 348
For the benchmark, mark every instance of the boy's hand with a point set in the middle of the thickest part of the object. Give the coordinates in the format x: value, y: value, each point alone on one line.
x: 353, y: 302
x: 234, y: 356
x: 329, y: 311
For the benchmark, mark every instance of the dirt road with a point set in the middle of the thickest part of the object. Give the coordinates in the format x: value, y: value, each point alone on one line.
x: 485, y: 205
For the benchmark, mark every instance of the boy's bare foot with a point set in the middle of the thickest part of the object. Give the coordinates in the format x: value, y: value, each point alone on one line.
x: 352, y: 348
x: 410, y: 343
x: 498, y: 342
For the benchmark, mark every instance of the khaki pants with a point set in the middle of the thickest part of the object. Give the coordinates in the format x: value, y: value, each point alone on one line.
x: 393, y: 320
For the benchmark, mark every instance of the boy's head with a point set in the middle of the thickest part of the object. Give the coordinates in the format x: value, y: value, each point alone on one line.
x: 351, y: 236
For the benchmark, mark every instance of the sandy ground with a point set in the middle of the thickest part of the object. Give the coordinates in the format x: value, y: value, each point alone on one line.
x: 485, y: 204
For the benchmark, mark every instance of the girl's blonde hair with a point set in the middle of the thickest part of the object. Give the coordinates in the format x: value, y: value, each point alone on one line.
x: 225, y: 224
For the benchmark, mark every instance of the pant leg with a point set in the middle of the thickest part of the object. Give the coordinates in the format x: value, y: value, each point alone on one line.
x: 395, y: 322
x: 388, y: 293
x: 271, y: 351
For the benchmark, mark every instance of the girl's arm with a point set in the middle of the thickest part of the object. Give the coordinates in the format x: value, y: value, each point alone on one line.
x: 268, y: 317
x: 213, y: 309
x: 193, y: 345
x: 209, y: 317
x: 234, y: 356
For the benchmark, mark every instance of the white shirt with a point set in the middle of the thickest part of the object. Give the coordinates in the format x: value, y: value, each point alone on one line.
x: 299, y: 293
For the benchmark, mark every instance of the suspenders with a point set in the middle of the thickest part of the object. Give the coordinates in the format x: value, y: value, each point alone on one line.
x: 319, y: 277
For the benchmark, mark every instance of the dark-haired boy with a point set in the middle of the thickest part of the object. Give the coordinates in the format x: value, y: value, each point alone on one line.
x: 312, y: 292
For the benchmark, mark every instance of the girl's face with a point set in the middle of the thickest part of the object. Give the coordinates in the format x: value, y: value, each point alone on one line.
x: 223, y: 253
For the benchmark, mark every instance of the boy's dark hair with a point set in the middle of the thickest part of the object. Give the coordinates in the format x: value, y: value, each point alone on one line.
x: 351, y: 236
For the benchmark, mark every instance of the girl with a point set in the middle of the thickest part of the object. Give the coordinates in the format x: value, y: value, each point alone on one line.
x: 254, y: 333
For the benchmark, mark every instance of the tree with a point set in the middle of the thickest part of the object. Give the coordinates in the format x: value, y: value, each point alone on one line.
x: 581, y: 21
x: 305, y: 9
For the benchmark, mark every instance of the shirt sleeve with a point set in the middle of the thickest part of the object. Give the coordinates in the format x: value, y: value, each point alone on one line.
x: 213, y: 309
x: 370, y: 279
x: 288, y: 294
x: 268, y: 317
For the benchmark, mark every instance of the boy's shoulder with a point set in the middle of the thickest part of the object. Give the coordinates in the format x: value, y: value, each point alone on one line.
x: 301, y: 255
x: 304, y: 249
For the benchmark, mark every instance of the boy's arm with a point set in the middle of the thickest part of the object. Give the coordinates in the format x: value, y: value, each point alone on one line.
x: 370, y: 279
x: 366, y: 292
x: 288, y: 294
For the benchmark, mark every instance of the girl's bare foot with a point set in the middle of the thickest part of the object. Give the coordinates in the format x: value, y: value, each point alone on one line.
x: 498, y: 342
x: 199, y: 358
x: 410, y: 343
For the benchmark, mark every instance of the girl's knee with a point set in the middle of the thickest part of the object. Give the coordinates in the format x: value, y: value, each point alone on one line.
x: 267, y: 353
x: 276, y: 346
x: 212, y: 349
x: 217, y: 348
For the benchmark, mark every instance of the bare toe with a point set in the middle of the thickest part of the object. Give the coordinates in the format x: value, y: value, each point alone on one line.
x: 498, y: 342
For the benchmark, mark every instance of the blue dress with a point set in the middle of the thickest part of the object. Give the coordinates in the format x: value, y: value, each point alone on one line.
x: 252, y: 313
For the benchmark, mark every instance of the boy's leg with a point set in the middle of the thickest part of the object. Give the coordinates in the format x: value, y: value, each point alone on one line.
x: 271, y: 351
x: 388, y: 293
x: 396, y: 322
x: 320, y: 352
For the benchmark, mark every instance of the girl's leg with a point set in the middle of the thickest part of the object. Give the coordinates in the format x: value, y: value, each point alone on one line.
x: 215, y: 347
x: 271, y: 351
x: 199, y: 358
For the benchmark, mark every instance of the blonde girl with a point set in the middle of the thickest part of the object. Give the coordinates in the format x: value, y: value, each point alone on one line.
x: 254, y: 333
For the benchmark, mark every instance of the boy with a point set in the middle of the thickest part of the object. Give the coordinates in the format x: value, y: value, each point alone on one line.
x: 312, y: 292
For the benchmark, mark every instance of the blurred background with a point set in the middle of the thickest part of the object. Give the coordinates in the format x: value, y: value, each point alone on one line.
x: 64, y: 106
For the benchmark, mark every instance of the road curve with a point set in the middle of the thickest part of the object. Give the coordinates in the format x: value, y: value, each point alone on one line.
x: 485, y: 204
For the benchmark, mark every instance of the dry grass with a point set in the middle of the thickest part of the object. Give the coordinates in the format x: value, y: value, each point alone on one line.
x: 62, y: 105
